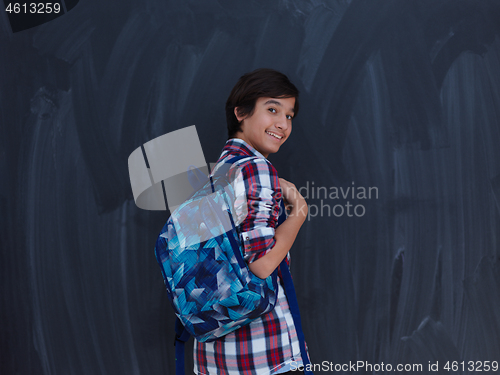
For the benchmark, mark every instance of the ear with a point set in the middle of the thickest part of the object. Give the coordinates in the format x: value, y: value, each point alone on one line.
x: 238, y: 117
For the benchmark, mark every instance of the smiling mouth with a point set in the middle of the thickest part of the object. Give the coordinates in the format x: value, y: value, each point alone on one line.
x: 279, y: 137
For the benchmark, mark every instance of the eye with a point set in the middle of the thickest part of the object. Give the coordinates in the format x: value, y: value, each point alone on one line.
x: 272, y: 109
x: 290, y: 117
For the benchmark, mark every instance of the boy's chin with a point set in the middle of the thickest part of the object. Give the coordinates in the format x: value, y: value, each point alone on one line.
x: 274, y: 151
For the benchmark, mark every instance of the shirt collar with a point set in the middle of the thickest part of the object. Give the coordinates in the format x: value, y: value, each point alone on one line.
x: 240, y: 146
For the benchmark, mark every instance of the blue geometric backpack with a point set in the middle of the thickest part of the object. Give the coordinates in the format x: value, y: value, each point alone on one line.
x: 208, y: 283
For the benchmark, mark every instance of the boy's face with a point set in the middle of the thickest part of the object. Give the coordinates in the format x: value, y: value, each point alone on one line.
x: 269, y: 126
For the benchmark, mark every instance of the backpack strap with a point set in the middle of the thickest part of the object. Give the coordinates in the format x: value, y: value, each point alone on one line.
x: 230, y: 161
x: 292, y: 300
x: 236, y: 158
x: 294, y: 309
x: 181, y: 336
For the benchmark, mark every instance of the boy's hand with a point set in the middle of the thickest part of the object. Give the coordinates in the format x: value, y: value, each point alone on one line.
x: 293, y: 199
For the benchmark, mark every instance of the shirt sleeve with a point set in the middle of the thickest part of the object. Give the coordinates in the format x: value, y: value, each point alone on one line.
x: 262, y: 192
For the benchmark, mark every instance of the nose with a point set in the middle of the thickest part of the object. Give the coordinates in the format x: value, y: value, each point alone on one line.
x: 282, y: 123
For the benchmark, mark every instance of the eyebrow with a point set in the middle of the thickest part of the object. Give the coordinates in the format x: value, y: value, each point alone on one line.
x: 272, y: 101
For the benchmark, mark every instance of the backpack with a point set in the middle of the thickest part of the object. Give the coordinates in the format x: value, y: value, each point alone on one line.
x: 208, y: 283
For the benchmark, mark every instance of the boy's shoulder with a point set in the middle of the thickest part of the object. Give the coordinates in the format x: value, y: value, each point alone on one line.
x: 254, y: 165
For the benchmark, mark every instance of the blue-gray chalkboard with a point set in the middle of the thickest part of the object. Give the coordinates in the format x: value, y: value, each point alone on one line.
x: 396, y: 147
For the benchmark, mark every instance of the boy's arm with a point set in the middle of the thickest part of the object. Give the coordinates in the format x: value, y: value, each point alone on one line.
x: 285, y: 234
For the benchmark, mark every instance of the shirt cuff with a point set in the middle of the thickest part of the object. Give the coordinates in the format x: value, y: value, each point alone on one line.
x: 257, y: 242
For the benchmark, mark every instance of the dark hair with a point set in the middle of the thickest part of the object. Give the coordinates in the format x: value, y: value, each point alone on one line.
x: 261, y: 82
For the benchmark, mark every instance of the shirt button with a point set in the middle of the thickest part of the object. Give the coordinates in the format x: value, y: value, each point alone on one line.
x: 246, y: 238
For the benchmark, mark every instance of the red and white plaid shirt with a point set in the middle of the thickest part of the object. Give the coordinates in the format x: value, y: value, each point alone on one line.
x: 269, y: 344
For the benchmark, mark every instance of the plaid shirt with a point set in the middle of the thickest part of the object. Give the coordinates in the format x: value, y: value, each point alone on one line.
x: 269, y: 344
